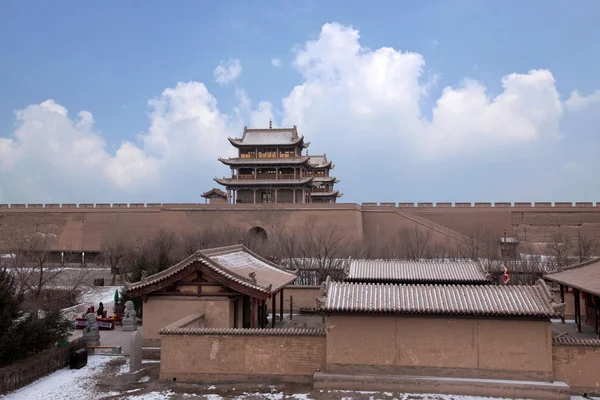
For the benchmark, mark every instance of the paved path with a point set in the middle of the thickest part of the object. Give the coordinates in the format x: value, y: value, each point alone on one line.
x: 116, y: 337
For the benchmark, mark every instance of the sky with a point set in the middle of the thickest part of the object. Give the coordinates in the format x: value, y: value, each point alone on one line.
x: 133, y: 102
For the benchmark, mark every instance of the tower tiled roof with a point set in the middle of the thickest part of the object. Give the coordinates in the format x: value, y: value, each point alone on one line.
x: 265, y: 137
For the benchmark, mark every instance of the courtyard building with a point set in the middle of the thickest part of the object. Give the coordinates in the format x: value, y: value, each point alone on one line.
x: 226, y: 287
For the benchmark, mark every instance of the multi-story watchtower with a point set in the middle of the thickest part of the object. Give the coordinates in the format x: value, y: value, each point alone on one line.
x: 270, y: 168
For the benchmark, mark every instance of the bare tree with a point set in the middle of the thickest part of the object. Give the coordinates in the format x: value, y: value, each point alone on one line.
x: 31, y: 262
x: 482, y: 244
x: 585, y: 246
x: 559, y: 247
x: 112, y: 252
x: 415, y: 242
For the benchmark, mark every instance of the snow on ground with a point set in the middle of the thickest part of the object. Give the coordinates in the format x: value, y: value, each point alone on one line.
x: 92, y: 296
x: 64, y: 384
x: 96, y: 294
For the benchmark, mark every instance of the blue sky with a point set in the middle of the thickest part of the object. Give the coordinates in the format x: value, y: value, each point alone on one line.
x: 370, y: 109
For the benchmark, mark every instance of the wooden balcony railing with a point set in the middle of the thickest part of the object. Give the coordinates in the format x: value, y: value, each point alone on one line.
x: 321, y: 190
x: 263, y: 176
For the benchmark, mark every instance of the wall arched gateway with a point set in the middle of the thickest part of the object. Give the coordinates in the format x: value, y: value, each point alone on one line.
x: 256, y: 236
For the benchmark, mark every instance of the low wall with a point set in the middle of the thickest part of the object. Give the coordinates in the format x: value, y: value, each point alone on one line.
x: 577, y: 362
x: 165, y: 310
x: 26, y: 371
x: 237, y: 355
x: 302, y: 297
x: 440, y: 346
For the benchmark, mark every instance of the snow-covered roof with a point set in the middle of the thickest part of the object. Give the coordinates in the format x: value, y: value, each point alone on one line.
x: 481, y: 300
x: 235, y: 264
x: 405, y: 271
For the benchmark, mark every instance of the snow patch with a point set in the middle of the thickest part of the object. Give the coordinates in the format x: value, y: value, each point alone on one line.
x: 64, y: 384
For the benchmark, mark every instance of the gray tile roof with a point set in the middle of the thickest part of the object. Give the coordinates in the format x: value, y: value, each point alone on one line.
x: 264, y: 161
x: 264, y: 182
x: 402, y: 271
x: 262, y: 137
x: 243, y: 332
x: 571, y: 341
x: 476, y: 300
x: 584, y: 276
x: 235, y: 263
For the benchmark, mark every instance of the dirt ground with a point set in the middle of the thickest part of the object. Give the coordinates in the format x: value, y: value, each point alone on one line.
x: 110, y: 385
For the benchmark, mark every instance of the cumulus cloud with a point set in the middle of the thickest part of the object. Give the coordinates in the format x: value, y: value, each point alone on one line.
x: 579, y: 102
x: 53, y: 156
x: 227, y: 71
x: 276, y: 62
x: 387, y: 88
x: 372, y: 110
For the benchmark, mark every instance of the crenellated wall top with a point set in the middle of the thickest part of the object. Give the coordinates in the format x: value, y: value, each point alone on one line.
x: 366, y: 205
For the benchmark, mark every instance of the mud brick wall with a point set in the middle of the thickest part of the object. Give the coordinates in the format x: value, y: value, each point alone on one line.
x: 241, y: 357
x: 578, y: 366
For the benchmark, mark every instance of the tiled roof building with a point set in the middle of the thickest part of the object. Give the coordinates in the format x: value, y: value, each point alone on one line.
x: 407, y: 271
x: 270, y: 168
x: 482, y: 300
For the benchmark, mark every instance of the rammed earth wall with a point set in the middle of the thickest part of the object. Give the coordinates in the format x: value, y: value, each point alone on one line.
x: 440, y: 346
x: 83, y: 227
x: 577, y: 363
x: 239, y: 355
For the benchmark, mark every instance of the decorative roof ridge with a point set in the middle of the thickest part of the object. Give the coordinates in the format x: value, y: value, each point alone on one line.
x: 571, y: 341
x: 243, y: 332
x: 163, y: 274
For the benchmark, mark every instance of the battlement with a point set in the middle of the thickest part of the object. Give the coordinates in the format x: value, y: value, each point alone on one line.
x: 366, y: 205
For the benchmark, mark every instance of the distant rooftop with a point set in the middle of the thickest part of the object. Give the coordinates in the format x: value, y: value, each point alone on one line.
x: 402, y: 271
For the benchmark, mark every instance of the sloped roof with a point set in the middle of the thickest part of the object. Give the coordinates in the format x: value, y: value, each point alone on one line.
x: 476, y: 300
x: 403, y: 271
x: 235, y: 264
x: 266, y: 182
x: 215, y: 192
x: 319, y: 161
x: 265, y: 137
x: 264, y: 161
x: 584, y: 276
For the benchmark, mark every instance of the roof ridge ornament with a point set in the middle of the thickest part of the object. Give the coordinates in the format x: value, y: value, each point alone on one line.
x: 270, y: 123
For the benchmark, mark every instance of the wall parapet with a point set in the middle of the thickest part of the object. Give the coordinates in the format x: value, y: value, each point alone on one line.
x: 169, y: 330
x: 200, y: 206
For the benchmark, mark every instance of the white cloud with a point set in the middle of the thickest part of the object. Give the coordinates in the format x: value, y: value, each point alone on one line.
x: 371, y: 110
x: 50, y: 150
x: 383, y: 91
x: 276, y: 62
x: 579, y: 102
x: 228, y: 71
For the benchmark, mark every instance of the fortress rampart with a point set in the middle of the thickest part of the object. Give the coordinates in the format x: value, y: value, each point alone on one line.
x: 85, y: 226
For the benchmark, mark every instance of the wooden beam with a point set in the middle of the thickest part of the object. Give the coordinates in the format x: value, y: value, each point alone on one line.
x: 281, y: 305
x: 273, y: 310
x: 179, y: 294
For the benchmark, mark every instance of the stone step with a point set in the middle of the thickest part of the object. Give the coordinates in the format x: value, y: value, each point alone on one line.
x: 435, y: 385
x: 151, y: 353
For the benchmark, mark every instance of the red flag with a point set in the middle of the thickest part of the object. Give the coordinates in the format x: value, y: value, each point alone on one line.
x: 506, y: 278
